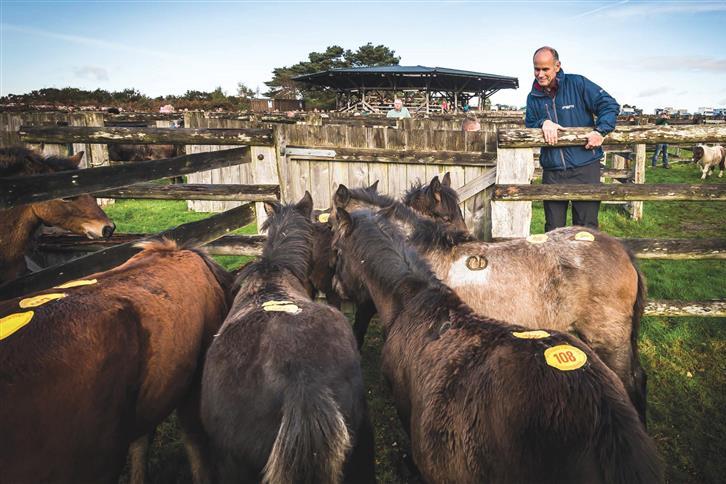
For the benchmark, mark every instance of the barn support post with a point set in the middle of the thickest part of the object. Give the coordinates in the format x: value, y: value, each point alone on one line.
x: 636, y: 212
x: 264, y: 170
x: 512, y: 219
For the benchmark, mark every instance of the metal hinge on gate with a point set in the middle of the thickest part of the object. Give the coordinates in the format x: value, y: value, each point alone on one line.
x: 309, y: 152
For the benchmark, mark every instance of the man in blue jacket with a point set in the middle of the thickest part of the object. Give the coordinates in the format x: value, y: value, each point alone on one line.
x: 558, y: 101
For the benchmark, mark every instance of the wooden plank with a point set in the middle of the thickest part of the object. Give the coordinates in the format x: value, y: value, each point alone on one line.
x: 264, y: 171
x: 198, y: 136
x: 192, y: 234
x: 28, y: 189
x: 513, y: 166
x: 677, y: 249
x: 320, y: 184
x: 636, y: 208
x: 226, y: 245
x: 674, y: 308
x: 477, y: 185
x: 410, y: 156
x: 528, y: 138
x: 224, y: 192
x: 681, y: 191
x: 606, y: 172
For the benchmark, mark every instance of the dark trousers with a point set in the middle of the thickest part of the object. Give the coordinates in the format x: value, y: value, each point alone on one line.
x: 583, y: 213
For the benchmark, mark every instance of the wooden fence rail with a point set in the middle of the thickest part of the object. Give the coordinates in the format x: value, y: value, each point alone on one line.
x: 228, y: 192
x: 611, y: 192
x: 27, y: 189
x: 530, y: 138
x: 118, y: 135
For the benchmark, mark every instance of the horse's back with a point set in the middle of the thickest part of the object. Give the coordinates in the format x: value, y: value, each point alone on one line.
x: 261, y: 360
x: 101, y: 364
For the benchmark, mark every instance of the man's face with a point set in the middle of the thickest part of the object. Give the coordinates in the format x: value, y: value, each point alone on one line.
x: 397, y: 104
x: 545, y: 68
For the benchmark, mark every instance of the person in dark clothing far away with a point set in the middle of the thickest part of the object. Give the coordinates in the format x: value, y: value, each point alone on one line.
x: 559, y: 101
x: 662, y: 120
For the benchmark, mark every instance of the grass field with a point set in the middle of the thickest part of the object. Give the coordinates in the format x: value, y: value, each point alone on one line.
x: 685, y: 357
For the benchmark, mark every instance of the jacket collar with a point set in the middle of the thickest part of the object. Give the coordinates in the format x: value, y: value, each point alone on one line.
x: 540, y: 92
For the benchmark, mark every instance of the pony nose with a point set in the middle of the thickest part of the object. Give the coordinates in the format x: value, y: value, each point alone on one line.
x: 108, y: 230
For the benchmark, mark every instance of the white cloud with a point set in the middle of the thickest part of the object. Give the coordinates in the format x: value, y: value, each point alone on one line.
x: 690, y: 63
x: 91, y: 72
x: 655, y: 91
x: 662, y: 8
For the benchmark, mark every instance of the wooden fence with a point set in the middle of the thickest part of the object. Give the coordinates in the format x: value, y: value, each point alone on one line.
x: 231, y: 162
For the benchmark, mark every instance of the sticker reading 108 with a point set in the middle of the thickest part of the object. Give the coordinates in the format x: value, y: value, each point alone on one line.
x: 565, y: 357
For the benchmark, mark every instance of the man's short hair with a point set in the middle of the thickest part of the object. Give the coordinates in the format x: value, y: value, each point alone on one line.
x: 552, y: 51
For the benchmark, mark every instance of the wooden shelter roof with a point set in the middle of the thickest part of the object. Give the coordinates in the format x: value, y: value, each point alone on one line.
x: 395, y: 77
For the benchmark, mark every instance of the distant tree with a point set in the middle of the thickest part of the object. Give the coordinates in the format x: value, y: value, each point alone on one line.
x: 334, y: 57
x: 244, y: 92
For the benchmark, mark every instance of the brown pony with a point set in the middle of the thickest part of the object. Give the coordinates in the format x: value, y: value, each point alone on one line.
x: 573, y: 279
x: 437, y: 200
x: 283, y: 398
x: 81, y: 215
x: 482, y: 400
x: 88, y: 367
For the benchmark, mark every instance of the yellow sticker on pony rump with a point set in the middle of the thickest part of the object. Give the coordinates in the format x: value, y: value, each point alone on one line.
x: 584, y: 236
x: 565, y: 357
x: 35, y: 301
x: 80, y: 282
x: 537, y: 239
x: 12, y: 323
x: 281, y: 306
x: 323, y: 218
x: 535, y: 334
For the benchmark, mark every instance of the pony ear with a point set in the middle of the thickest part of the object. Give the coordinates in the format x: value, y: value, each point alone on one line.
x: 305, y: 205
x: 343, y: 221
x: 446, y: 181
x: 271, y: 208
x: 76, y: 159
x: 373, y: 187
x: 435, y: 188
x: 341, y: 196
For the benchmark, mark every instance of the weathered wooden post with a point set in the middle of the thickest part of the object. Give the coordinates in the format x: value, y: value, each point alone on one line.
x: 264, y: 171
x: 512, y: 219
x: 95, y: 154
x: 639, y: 177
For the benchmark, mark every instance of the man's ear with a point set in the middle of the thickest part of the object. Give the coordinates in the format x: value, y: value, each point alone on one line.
x: 341, y: 196
x: 305, y: 205
x: 446, y: 181
x: 271, y: 208
x: 76, y: 159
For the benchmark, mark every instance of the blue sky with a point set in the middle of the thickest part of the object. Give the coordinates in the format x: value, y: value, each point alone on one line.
x: 649, y: 53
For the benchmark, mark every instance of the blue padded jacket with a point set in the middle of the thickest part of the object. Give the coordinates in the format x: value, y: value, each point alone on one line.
x: 576, y: 104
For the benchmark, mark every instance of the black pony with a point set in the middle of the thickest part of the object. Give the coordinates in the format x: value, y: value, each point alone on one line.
x: 282, y: 396
x: 483, y: 400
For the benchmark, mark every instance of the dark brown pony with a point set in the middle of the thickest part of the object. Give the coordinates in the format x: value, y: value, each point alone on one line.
x: 102, y: 361
x: 283, y: 397
x: 482, y: 400
x: 578, y: 280
x: 437, y: 200
x: 81, y: 215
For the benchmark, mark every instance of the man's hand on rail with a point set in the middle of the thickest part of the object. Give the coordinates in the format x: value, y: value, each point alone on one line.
x: 594, y: 139
x: 549, y: 131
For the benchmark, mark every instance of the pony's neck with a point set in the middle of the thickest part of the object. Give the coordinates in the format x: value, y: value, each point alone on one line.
x: 16, y: 227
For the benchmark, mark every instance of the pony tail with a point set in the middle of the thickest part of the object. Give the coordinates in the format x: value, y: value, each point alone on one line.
x: 640, y: 378
x: 312, y: 443
x: 627, y: 454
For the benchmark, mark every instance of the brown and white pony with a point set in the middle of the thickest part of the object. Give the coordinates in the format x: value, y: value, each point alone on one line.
x: 708, y: 157
x: 573, y: 279
x: 80, y: 215
x: 283, y: 399
x: 91, y: 366
x: 483, y: 400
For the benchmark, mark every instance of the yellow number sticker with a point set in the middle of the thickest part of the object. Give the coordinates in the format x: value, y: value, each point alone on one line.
x: 323, y: 218
x: 35, y: 301
x: 584, y: 236
x: 537, y: 239
x: 12, y: 323
x: 80, y: 282
x: 565, y: 357
x: 281, y: 306
x: 535, y: 334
